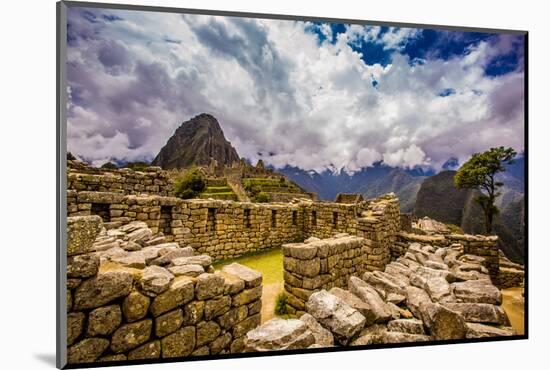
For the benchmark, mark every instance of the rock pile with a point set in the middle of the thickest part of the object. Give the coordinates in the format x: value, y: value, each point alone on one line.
x: 131, y: 296
x: 428, y: 294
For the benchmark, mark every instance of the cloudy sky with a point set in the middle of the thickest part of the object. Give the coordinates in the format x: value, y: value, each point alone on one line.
x: 312, y: 95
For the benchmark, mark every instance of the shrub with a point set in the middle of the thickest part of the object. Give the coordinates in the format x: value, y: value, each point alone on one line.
x: 137, y: 166
x: 261, y: 197
x: 280, y: 304
x: 190, y: 185
x: 455, y: 229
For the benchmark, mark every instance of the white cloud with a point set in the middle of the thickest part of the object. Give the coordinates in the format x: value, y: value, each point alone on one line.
x: 275, y: 90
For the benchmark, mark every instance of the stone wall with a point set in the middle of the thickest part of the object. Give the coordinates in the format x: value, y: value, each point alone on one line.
x: 320, y: 264
x: 134, y: 310
x: 379, y: 224
x: 124, y: 181
x: 221, y: 229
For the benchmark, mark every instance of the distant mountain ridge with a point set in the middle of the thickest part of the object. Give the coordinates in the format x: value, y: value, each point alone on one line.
x: 196, y: 142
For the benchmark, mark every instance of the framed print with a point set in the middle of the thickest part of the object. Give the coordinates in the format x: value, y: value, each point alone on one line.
x: 236, y: 184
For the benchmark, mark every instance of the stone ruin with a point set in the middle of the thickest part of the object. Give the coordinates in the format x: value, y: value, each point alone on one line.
x: 140, y: 282
x: 133, y: 296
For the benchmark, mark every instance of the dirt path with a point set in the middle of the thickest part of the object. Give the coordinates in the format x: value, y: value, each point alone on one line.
x: 513, y: 304
x: 269, y: 293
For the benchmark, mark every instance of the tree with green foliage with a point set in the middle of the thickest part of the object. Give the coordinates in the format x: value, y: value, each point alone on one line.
x: 479, y: 173
x: 190, y: 185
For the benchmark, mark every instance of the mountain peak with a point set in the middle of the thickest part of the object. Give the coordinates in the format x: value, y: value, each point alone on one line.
x: 196, y: 142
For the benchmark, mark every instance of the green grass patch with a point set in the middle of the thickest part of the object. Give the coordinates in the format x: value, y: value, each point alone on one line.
x: 269, y: 263
x: 218, y: 189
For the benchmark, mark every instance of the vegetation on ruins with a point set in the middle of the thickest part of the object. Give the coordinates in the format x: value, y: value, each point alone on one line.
x: 261, y: 197
x: 281, y: 304
x: 479, y: 173
x: 137, y: 166
x: 190, y: 185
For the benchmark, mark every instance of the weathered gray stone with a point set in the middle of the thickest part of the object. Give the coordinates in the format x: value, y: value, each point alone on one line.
x: 193, y: 312
x: 150, y: 350
x: 382, y: 284
x: 484, y: 331
x: 411, y: 326
x: 355, y: 302
x: 129, y: 336
x: 309, y: 268
x: 247, y: 296
x: 300, y: 251
x: 179, y: 344
x: 135, y: 306
x: 480, y: 312
x: 207, y: 331
x: 104, y: 320
x: 216, y: 307
x: 370, y: 296
x: 251, y: 278
x: 439, y: 290
x: 87, y: 350
x: 370, y: 335
x: 202, y: 260
x: 75, y: 325
x: 246, y: 325
x: 179, y: 292
x: 399, y: 337
x: 168, y: 323
x: 232, y: 317
x: 335, y: 315
x: 278, y: 334
x: 132, y: 259
x: 167, y: 258
x: 112, y: 358
x: 220, y: 343
x: 477, y: 291
x: 82, y: 266
x: 81, y: 233
x: 155, y: 280
x: 443, y: 323
x: 415, y: 297
x: 186, y: 270
x: 322, y: 336
x: 102, y: 289
x: 140, y: 236
x: 209, y: 286
x: 232, y: 284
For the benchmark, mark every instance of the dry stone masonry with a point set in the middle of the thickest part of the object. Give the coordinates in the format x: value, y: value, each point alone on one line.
x: 428, y: 294
x: 131, y: 296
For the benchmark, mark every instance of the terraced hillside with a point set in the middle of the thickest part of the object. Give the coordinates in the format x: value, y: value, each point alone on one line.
x: 218, y: 188
x: 272, y: 189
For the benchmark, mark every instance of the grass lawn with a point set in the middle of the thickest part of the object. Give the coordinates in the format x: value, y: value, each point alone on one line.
x: 269, y: 263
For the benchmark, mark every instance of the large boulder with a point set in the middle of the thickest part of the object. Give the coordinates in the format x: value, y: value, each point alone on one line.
x: 477, y: 291
x: 415, y: 297
x: 102, y: 289
x: 251, y: 278
x: 81, y: 233
x: 155, y: 280
x: 476, y: 330
x: 410, y: 326
x: 279, y: 334
x: 323, y: 337
x: 480, y: 312
x: 369, y: 295
x: 355, y: 302
x: 335, y: 315
x: 443, y: 323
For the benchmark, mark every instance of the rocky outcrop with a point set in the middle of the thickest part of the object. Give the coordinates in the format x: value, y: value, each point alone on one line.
x: 196, y: 142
